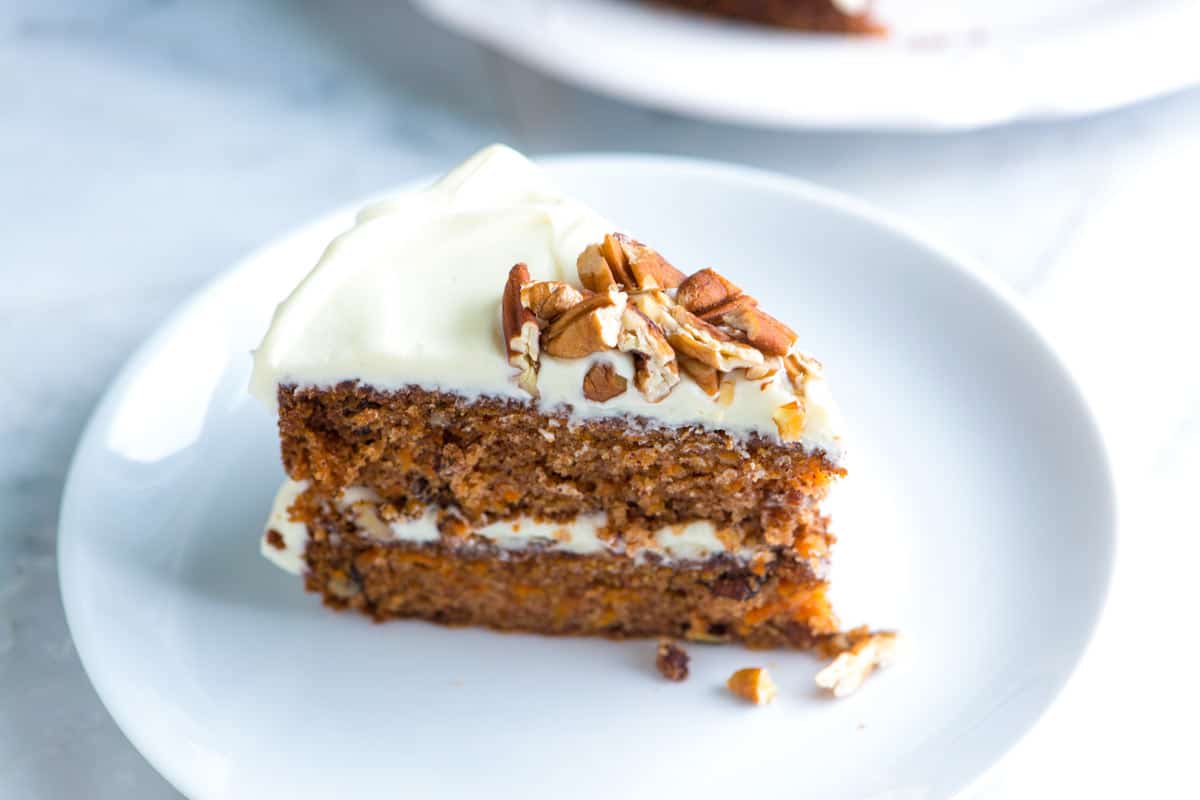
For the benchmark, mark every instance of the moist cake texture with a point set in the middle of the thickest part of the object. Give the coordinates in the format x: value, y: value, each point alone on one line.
x: 492, y: 459
x: 497, y: 409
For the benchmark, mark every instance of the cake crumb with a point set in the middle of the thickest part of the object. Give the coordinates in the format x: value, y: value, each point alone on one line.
x: 672, y: 661
x: 753, y: 684
x: 855, y: 664
x: 275, y: 539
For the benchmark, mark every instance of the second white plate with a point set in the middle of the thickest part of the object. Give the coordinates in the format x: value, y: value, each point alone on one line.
x: 977, y: 518
x: 949, y: 64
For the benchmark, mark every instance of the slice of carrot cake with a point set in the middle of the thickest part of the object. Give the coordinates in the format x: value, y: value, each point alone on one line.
x: 497, y: 409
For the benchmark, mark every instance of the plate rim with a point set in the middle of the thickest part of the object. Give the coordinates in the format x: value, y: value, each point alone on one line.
x: 1028, y: 105
x: 867, y: 213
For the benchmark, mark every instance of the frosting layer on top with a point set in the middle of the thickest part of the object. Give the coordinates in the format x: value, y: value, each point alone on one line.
x: 410, y: 295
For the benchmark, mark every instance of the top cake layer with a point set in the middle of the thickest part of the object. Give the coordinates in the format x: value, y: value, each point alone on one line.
x: 410, y: 296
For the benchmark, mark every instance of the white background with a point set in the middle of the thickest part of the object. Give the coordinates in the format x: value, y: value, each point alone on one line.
x: 145, y: 145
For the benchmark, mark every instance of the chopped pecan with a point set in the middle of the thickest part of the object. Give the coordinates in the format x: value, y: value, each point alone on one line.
x: 549, y: 300
x: 627, y: 262
x: 708, y: 295
x: 716, y: 314
x: 728, y: 386
x: 655, y: 368
x: 618, y: 260
x: 589, y: 327
x: 753, y: 684
x: 594, y: 272
x: 789, y: 419
x: 705, y: 376
x: 767, y: 370
x: 692, y: 336
x: 704, y: 290
x: 848, y: 671
x: 521, y: 330
x: 672, y: 661
x: 648, y: 269
x: 710, y: 344
x: 602, y: 383
x: 767, y: 334
x: 800, y: 367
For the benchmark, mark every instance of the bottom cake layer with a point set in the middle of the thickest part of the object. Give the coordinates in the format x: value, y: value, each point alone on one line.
x: 773, y: 600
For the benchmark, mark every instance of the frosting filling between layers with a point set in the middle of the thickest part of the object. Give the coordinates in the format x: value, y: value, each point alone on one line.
x: 695, y: 541
x: 409, y: 297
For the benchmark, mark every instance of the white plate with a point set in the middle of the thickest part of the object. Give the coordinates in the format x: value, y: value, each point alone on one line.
x: 948, y: 63
x: 978, y: 518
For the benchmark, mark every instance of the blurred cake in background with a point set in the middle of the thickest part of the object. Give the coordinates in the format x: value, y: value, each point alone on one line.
x: 833, y: 16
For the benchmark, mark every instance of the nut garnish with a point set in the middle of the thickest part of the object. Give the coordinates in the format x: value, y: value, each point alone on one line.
x: 706, y: 377
x: 725, y: 393
x: 649, y: 269
x: 713, y: 298
x: 621, y: 260
x: 789, y: 419
x: 764, y: 332
x: 602, y: 383
x: 694, y: 337
x: 767, y: 370
x: 853, y: 666
x: 753, y: 684
x: 594, y: 272
x: 800, y: 367
x: 521, y: 330
x: 655, y: 369
x: 636, y: 302
x: 590, y: 326
x: 704, y: 290
x: 549, y: 300
x: 672, y: 661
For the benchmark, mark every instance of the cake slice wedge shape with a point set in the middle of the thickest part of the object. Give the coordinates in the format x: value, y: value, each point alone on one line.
x: 496, y: 408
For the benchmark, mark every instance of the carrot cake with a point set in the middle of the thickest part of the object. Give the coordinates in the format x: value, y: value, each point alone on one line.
x: 830, y: 16
x: 497, y: 408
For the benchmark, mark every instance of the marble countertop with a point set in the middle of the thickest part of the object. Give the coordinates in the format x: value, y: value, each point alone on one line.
x: 147, y: 144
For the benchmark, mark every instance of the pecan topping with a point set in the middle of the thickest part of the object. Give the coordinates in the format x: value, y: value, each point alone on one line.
x: 520, y: 330
x: 789, y: 419
x: 590, y: 326
x: 855, y: 665
x: 692, y: 336
x: 672, y: 661
x: 767, y: 370
x: 655, y: 369
x: 594, y: 272
x: 704, y: 290
x: 706, y: 377
x: 799, y: 368
x: 602, y: 383
x: 649, y: 269
x: 708, y: 295
x: 635, y: 301
x: 549, y: 300
x: 753, y: 684
x: 725, y: 395
x: 621, y: 260
x: 767, y: 334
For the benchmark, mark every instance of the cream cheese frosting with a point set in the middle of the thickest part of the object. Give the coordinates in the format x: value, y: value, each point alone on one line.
x: 693, y: 541
x: 410, y: 295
